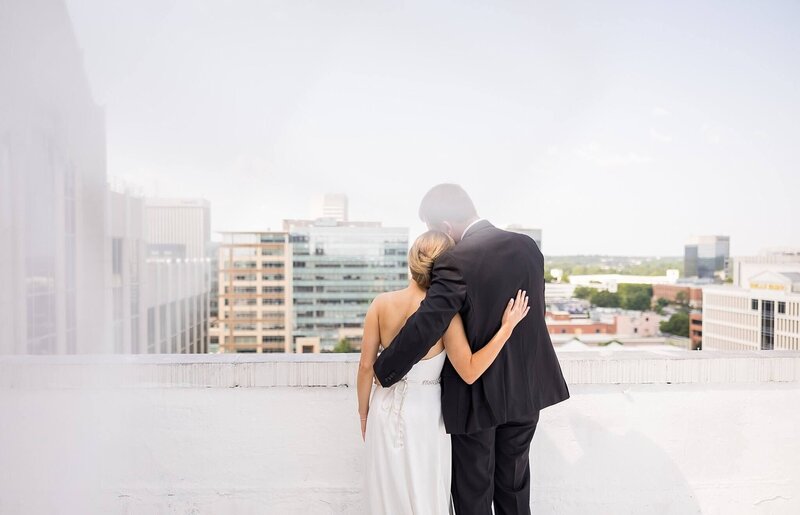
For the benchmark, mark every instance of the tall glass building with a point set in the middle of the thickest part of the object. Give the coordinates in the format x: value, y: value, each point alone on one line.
x: 705, y: 256
x: 338, y: 268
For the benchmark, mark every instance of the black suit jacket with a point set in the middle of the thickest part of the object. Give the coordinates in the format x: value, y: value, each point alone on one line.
x: 476, y: 278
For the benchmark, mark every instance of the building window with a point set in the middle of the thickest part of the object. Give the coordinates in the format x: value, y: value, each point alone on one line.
x: 782, y: 308
x: 116, y: 256
x: 754, y: 304
x: 768, y: 326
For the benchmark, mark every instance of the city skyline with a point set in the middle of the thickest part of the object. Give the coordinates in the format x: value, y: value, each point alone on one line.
x: 644, y: 117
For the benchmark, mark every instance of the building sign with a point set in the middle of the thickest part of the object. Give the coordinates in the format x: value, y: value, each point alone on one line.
x: 767, y: 286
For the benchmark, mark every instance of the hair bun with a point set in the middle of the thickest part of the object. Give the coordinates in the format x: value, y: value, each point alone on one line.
x: 423, y: 253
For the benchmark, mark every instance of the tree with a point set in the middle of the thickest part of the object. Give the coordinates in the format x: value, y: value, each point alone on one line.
x: 605, y: 299
x: 680, y: 298
x: 343, y: 346
x: 583, y: 292
x: 639, y: 301
x: 678, y: 324
x: 661, y: 303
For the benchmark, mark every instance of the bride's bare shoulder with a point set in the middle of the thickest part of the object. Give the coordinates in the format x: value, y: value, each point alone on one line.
x: 390, y: 298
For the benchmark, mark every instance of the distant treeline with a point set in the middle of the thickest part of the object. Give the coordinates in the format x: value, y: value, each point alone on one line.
x: 629, y: 265
x: 628, y: 296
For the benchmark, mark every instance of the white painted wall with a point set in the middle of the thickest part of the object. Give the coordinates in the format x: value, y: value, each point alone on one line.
x: 179, y: 436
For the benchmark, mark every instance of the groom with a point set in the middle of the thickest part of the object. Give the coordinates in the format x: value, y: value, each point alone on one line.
x: 492, y: 421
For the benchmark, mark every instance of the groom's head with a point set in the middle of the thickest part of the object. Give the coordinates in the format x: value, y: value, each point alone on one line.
x: 448, y: 208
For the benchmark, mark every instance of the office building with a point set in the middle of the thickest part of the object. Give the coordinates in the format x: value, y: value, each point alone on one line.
x: 177, y: 306
x: 159, y: 298
x: 338, y: 269
x: 706, y: 257
x: 762, y: 312
x: 178, y: 228
x: 255, y: 301
x: 52, y: 189
x: 178, y: 236
x: 334, y: 207
x: 774, y: 260
x: 688, y: 292
x: 126, y: 271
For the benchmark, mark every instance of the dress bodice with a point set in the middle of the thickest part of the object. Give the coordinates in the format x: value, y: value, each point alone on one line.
x: 427, y: 369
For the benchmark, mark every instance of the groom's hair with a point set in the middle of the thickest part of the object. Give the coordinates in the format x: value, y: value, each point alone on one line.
x: 446, y: 203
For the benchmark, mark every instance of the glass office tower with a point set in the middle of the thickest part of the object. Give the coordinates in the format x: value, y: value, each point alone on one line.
x: 705, y: 256
x: 338, y: 269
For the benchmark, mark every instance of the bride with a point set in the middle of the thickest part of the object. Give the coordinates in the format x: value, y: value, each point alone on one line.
x: 407, y: 448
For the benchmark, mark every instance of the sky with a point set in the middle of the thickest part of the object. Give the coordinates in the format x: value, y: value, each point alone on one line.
x: 616, y: 127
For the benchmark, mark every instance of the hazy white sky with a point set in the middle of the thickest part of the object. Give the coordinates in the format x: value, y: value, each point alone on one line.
x: 617, y: 127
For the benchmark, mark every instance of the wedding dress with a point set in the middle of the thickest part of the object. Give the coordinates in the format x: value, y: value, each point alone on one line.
x: 408, y: 463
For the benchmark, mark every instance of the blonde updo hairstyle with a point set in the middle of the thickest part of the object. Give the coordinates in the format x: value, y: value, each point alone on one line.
x: 423, y: 253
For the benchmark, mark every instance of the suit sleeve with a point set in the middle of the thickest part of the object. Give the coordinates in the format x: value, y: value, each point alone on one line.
x: 422, y: 330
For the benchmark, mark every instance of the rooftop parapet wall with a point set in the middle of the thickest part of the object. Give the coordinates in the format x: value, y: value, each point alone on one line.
x: 331, y: 370
x: 245, y: 434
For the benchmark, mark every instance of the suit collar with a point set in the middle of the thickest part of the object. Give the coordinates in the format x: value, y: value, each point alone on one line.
x: 476, y: 227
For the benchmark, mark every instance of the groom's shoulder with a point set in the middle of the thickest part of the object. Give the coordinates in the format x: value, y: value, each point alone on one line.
x: 493, y: 237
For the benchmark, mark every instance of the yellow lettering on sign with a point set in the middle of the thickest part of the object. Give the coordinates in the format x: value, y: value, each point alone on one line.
x: 767, y: 286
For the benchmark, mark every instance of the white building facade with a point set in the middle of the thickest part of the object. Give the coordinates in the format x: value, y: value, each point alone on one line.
x: 763, y: 313
x: 52, y: 188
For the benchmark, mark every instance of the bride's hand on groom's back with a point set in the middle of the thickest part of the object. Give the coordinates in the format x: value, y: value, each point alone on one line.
x: 516, y: 309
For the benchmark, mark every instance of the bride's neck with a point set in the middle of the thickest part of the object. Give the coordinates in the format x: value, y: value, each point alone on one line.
x: 413, y: 286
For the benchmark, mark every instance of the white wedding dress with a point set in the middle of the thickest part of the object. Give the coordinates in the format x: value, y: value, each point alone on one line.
x: 408, y: 451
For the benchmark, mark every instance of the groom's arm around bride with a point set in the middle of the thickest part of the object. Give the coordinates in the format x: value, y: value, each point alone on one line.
x: 492, y: 421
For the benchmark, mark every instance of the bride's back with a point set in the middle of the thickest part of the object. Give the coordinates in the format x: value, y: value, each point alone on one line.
x: 394, y: 308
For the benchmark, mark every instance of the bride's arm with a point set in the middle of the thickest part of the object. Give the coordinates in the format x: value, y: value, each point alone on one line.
x: 369, y: 352
x: 471, y: 366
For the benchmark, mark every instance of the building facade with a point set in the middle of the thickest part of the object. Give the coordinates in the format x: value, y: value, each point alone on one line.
x: 52, y: 189
x: 177, y: 305
x: 126, y: 271
x: 706, y: 257
x: 689, y: 293
x: 338, y: 268
x: 254, y: 294
x: 159, y: 297
x: 774, y: 260
x: 178, y: 228
x: 762, y: 314
x: 334, y: 206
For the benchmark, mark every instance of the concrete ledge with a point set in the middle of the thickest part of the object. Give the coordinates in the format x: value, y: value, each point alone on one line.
x: 332, y: 370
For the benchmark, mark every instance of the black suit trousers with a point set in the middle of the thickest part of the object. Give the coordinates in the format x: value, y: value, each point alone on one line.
x: 493, y: 465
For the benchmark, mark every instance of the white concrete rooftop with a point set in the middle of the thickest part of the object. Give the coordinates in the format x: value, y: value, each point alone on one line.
x: 645, y: 432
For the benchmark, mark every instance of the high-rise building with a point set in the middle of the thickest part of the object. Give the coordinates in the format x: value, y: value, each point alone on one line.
x: 159, y: 298
x: 52, y: 188
x: 535, y: 234
x: 213, y: 302
x: 255, y: 302
x: 178, y: 235
x: 706, y: 256
x: 126, y: 272
x: 177, y: 303
x: 761, y: 312
x: 333, y: 206
x: 338, y: 269
x: 179, y: 228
